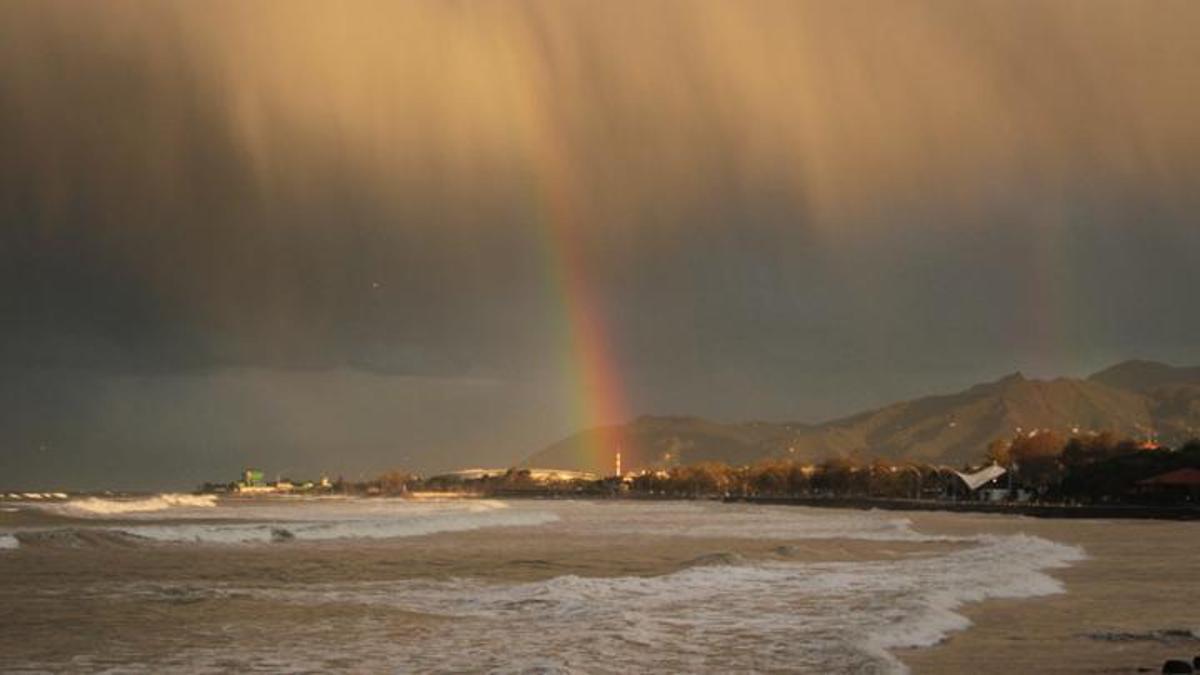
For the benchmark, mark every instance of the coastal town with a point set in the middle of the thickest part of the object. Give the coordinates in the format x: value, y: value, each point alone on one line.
x: 1030, y: 474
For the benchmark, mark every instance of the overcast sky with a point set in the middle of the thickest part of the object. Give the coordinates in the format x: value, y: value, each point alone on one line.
x: 312, y: 236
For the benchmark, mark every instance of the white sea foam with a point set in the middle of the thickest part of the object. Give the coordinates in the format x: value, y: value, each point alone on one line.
x: 833, y: 607
x: 744, y: 616
x: 7, y: 541
x: 174, y: 517
x: 723, y: 613
x: 97, y: 506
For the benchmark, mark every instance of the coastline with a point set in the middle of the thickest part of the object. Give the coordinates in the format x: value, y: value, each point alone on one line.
x: 1038, y: 510
x: 1126, y: 608
x: 1033, y: 510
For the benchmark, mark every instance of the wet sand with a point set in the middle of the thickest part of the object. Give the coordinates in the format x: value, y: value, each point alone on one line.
x: 1132, y: 604
x: 84, y: 601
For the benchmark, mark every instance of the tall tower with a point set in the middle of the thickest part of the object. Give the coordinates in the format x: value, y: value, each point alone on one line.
x: 618, y: 462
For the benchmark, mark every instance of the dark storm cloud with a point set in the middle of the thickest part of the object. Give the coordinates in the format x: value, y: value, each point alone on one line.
x: 788, y: 210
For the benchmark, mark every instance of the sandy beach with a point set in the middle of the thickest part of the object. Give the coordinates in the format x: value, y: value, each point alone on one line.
x: 1133, y: 603
x: 601, y: 587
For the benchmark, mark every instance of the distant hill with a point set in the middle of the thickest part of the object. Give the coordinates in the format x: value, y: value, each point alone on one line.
x: 1146, y: 375
x: 1135, y: 398
x: 657, y: 441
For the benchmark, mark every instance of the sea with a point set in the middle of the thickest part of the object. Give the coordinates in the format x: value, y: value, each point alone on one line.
x: 207, y: 584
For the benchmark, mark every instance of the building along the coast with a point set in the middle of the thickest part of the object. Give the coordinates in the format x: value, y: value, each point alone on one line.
x: 1181, y: 484
x: 991, y: 483
x: 252, y: 482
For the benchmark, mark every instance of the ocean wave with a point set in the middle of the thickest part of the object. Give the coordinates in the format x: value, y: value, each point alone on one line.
x: 716, y: 520
x: 724, y: 613
x: 99, y: 506
x: 205, y: 519
x: 719, y: 612
x: 77, y: 538
x: 372, y: 528
x: 1009, y: 567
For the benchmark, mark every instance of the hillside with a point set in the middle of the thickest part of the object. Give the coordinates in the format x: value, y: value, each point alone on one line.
x: 658, y: 441
x: 1146, y: 376
x: 1135, y: 398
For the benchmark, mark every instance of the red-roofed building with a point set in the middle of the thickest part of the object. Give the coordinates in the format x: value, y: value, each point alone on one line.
x: 1180, y: 482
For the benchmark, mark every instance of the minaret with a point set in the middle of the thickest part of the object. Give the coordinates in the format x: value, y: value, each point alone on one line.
x: 618, y: 464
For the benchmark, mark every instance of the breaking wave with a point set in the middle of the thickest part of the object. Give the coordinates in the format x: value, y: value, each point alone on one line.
x: 856, y: 612
x: 98, y: 506
x: 721, y: 614
x: 33, y: 496
x: 1009, y: 567
x: 184, y: 518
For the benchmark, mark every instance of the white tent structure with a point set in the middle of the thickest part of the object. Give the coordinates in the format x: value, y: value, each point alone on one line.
x: 982, y: 477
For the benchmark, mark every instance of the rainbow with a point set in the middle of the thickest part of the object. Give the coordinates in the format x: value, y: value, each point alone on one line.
x: 588, y: 364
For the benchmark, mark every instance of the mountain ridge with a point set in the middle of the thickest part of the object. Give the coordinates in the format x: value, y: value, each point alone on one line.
x: 1134, y: 398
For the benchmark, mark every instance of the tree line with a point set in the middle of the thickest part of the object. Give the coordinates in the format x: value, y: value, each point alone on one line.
x: 1096, y: 468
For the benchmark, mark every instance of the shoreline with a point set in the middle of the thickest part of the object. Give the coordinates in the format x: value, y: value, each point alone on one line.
x: 1126, y: 608
x: 1033, y: 510
x: 1049, y: 511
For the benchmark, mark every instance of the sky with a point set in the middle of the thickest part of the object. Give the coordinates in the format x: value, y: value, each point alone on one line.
x: 343, y: 237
